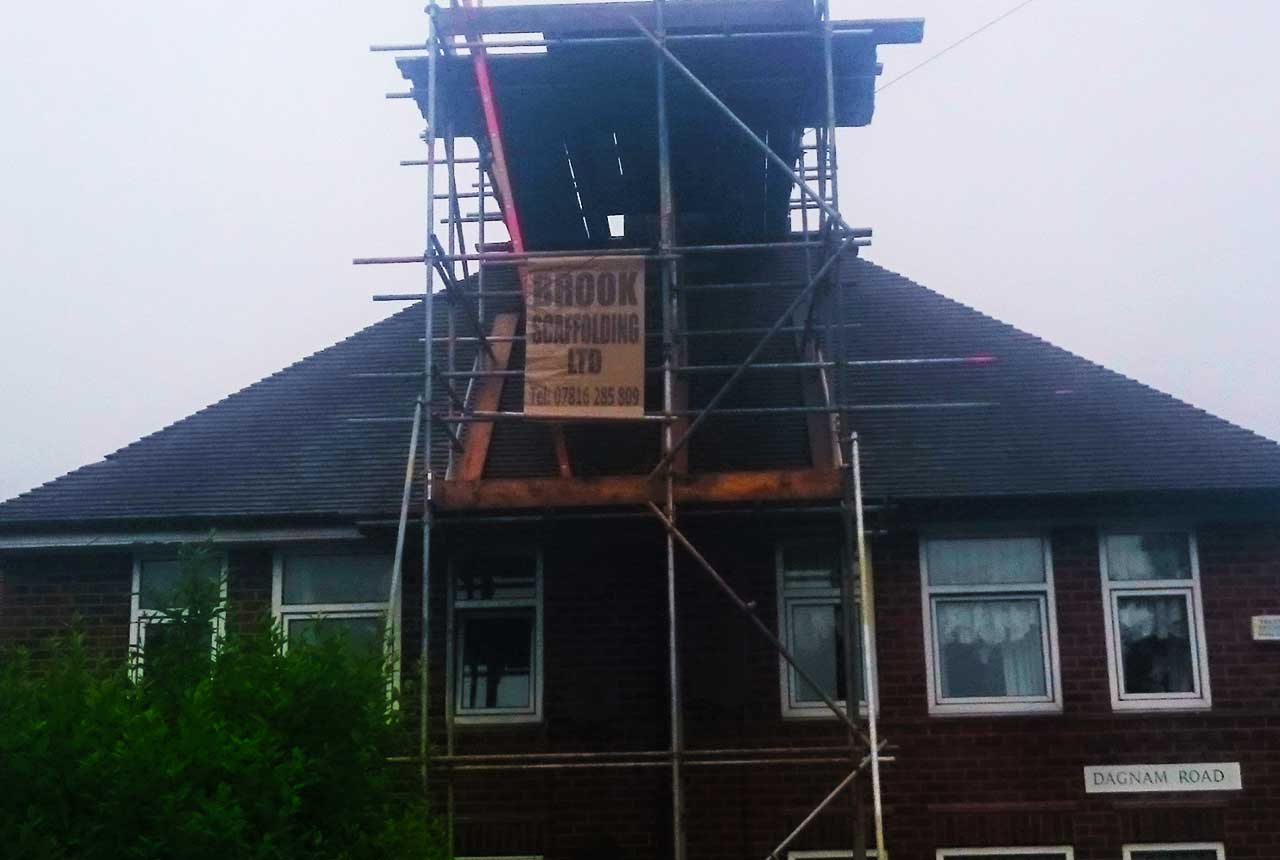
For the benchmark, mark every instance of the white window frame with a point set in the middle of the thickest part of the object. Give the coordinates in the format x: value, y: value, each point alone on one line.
x: 140, y: 619
x: 1056, y: 852
x: 1051, y: 702
x: 283, y: 612
x: 503, y: 716
x: 1199, y: 699
x: 813, y: 597
x: 1177, y: 846
x: 829, y: 855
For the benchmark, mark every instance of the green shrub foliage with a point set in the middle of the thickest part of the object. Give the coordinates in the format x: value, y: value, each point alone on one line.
x: 243, y: 751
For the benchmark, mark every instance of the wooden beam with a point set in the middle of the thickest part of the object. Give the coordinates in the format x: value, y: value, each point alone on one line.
x: 726, y: 487
x: 562, y: 450
x: 612, y: 17
x: 485, y: 396
x: 813, y: 385
x: 680, y: 391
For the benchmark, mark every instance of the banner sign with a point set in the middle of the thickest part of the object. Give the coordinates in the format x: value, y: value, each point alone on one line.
x: 584, y: 337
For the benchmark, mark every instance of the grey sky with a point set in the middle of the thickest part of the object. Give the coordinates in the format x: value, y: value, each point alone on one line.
x: 185, y: 184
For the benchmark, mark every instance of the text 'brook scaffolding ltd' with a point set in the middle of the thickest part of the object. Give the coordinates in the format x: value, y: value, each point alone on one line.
x: 584, y: 345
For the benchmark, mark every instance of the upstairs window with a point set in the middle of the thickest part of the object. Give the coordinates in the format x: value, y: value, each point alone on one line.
x: 495, y: 618
x: 322, y: 595
x: 161, y: 587
x: 810, y: 622
x: 991, y: 642
x: 1060, y: 853
x: 1182, y: 851
x: 1155, y: 620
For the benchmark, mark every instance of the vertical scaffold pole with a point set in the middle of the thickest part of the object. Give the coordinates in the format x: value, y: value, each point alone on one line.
x: 868, y: 606
x: 853, y: 548
x: 666, y: 240
x: 428, y: 314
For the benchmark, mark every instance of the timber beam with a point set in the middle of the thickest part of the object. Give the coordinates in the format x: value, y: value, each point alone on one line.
x: 720, y: 487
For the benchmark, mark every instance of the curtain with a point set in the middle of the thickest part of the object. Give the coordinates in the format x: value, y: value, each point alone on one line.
x: 1149, y: 556
x: 1144, y: 617
x: 985, y: 561
x: 1002, y: 636
x: 1155, y: 639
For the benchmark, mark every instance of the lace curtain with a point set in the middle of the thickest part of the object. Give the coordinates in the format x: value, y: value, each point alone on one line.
x: 1145, y: 617
x: 995, y: 561
x: 1001, y: 632
x: 1148, y: 556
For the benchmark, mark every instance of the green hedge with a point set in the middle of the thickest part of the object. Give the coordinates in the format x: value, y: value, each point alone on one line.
x: 245, y: 752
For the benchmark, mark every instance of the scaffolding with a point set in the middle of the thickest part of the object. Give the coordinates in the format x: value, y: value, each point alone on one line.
x: 462, y: 403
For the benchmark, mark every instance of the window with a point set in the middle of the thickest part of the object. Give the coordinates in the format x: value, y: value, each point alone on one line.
x: 495, y: 619
x: 991, y: 640
x: 1155, y: 619
x: 318, y: 595
x: 158, y: 585
x: 829, y: 855
x: 1059, y: 853
x: 1185, y: 851
x: 810, y: 620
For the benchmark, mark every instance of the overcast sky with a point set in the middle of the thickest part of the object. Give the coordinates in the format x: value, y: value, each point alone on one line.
x: 185, y: 184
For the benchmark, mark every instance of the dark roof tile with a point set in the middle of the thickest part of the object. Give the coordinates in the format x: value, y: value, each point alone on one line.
x: 1056, y: 424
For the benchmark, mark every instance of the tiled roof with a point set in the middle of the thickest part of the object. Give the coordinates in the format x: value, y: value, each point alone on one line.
x: 1054, y: 424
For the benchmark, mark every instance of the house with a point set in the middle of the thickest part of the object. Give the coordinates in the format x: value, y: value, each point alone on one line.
x: 1076, y: 578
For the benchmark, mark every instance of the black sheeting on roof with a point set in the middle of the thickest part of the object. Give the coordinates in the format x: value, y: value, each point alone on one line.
x: 1057, y: 424
x: 578, y: 119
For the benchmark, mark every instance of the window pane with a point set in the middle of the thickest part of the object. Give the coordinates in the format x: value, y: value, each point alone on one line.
x: 985, y: 561
x: 1155, y: 641
x: 336, y: 579
x: 810, y: 566
x: 818, y: 646
x: 1148, y: 556
x: 1037, y: 856
x: 165, y: 645
x: 162, y: 580
x: 495, y: 661
x: 364, y: 634
x: 512, y: 577
x: 990, y: 648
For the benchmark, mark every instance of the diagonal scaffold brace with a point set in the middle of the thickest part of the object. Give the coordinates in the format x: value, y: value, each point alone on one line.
x: 748, y: 611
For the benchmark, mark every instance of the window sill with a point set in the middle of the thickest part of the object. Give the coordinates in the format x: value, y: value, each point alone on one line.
x: 822, y: 713
x: 1130, y: 706
x: 495, y: 720
x: 1011, y: 709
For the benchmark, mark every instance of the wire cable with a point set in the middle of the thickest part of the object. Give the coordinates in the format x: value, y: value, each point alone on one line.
x: 954, y: 44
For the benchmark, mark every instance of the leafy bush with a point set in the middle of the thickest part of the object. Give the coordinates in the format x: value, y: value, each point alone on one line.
x: 247, y: 751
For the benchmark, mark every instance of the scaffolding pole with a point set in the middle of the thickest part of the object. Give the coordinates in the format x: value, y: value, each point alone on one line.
x: 428, y: 378
x: 666, y: 240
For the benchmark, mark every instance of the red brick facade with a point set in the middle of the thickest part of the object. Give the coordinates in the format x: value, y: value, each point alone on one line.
x: 988, y: 781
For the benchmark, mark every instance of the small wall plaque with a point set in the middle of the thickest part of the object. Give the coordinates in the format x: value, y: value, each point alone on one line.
x: 1147, y: 778
x: 1266, y: 628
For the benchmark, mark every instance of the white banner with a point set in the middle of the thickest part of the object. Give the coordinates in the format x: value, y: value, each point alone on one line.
x: 584, y: 337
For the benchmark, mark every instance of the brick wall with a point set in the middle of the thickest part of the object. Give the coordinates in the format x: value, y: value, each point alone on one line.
x: 42, y: 596
x: 957, y: 781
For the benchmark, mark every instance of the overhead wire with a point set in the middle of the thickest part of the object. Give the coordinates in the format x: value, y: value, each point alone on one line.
x: 954, y: 44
